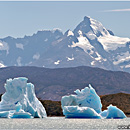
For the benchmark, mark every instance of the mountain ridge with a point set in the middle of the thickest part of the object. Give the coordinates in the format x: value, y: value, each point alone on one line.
x: 89, y: 44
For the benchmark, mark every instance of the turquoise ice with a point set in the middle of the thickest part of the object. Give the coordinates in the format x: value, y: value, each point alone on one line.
x: 20, y: 100
x: 113, y: 112
x: 19, y: 112
x: 87, y: 104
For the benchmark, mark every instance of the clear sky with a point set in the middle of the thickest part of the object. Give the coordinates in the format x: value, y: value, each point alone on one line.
x: 25, y: 18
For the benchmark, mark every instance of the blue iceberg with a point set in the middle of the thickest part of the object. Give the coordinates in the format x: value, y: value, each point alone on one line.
x: 80, y: 112
x: 87, y: 104
x: 113, y: 112
x: 20, y: 101
x: 4, y: 114
x: 19, y: 112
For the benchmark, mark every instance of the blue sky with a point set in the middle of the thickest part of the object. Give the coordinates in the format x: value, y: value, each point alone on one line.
x: 25, y: 18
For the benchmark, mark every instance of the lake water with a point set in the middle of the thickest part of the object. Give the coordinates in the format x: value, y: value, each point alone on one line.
x: 62, y: 123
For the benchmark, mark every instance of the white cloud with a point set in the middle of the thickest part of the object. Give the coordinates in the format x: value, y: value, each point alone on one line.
x: 117, y: 10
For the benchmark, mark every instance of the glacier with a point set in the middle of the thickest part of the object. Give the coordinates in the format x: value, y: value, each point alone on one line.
x: 87, y: 104
x: 20, y: 101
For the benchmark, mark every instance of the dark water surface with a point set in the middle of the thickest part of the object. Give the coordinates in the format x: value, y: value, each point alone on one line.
x: 55, y: 123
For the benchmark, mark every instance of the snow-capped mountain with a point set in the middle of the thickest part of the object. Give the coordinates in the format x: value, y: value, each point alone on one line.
x: 24, y: 51
x: 89, y: 44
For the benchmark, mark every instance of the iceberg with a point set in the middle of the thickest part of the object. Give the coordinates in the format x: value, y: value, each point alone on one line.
x: 20, y: 101
x: 4, y: 114
x: 80, y: 112
x: 113, y: 112
x: 87, y: 104
x: 19, y: 112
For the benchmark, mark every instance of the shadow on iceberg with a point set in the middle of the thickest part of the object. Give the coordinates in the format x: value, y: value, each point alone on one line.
x: 20, y: 101
x: 87, y: 104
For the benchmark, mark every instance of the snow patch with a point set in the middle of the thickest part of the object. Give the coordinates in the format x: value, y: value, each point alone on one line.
x: 4, y: 47
x: 110, y: 42
x: 122, y: 67
x: 91, y: 35
x: 127, y: 66
x: 99, y: 58
x: 121, y: 58
x: 98, y: 27
x: 36, y: 56
x: 20, y: 46
x: 69, y: 45
x: 56, y: 29
x: 46, y: 40
x: 69, y: 59
x: 19, y: 61
x: 30, y: 62
x: 2, y: 65
x: 57, y: 37
x: 57, y: 62
x: 93, y: 63
x: 80, y: 32
x: 70, y: 33
x: 83, y: 43
x: 59, y: 40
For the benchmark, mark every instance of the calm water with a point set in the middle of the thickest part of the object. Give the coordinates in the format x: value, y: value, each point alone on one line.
x: 62, y: 123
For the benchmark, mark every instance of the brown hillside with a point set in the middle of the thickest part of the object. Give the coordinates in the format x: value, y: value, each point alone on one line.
x: 53, y: 108
x: 52, y: 84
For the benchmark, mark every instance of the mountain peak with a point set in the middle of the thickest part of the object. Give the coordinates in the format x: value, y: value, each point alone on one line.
x: 86, y: 18
x: 89, y: 25
x: 90, y: 44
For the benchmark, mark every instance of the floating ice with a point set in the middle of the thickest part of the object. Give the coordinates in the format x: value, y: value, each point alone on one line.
x: 87, y: 104
x: 20, y: 100
x: 80, y: 112
x: 113, y: 112
x: 4, y: 114
x: 19, y: 113
x: 87, y: 97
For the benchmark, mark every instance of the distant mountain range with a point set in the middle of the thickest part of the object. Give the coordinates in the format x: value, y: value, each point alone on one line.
x: 52, y: 84
x: 89, y: 44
